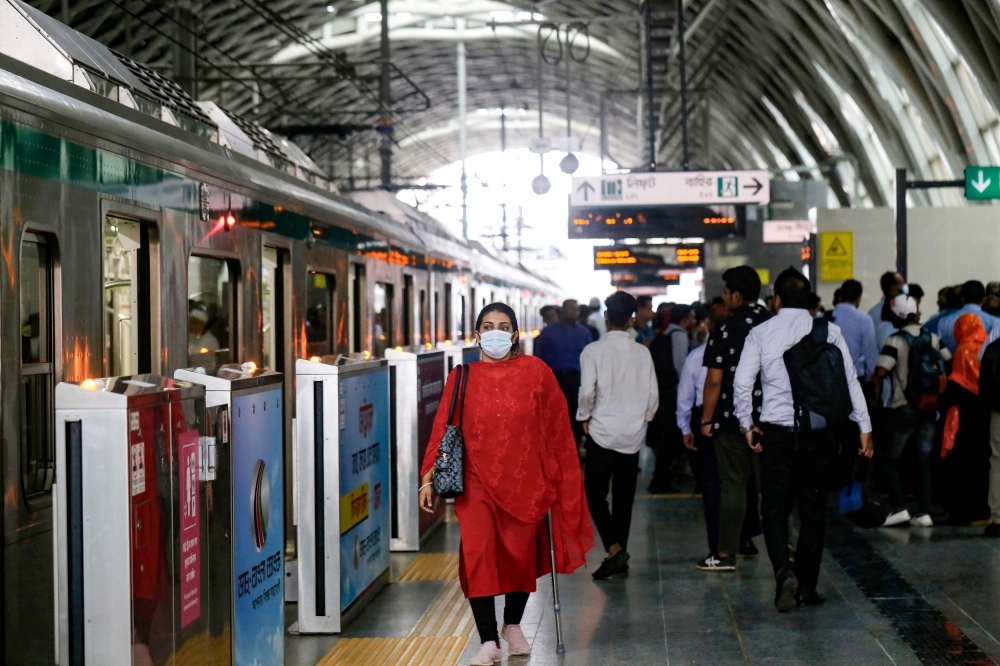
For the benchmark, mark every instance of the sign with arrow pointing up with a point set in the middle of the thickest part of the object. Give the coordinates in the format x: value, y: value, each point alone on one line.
x: 982, y: 183
x: 673, y: 188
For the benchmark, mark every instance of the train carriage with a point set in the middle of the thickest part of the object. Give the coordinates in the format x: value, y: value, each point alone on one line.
x: 139, y: 235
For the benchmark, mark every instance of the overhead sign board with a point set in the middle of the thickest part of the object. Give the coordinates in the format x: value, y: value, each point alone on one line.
x: 647, y: 257
x: 657, y: 221
x: 982, y: 183
x: 836, y: 256
x: 786, y: 231
x: 672, y: 188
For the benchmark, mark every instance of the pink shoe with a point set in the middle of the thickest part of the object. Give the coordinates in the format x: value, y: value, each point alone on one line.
x: 517, y: 644
x: 489, y: 654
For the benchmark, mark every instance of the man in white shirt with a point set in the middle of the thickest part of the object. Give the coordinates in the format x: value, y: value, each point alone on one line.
x: 618, y: 398
x: 795, y: 459
x: 596, y: 318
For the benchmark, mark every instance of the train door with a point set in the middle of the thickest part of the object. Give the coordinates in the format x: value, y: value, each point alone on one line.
x: 449, y: 323
x: 356, y: 306
x: 28, y: 602
x: 276, y: 315
x: 382, y: 336
x: 128, y: 306
x: 425, y: 325
x: 407, y: 310
x: 321, y: 289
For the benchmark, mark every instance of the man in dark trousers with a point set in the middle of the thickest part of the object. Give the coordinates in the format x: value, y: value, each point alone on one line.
x: 795, y: 458
x: 560, y: 345
x: 735, y: 460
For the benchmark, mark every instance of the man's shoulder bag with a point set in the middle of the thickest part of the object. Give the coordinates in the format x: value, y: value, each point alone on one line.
x: 449, y: 468
x: 819, y: 382
x: 925, y: 376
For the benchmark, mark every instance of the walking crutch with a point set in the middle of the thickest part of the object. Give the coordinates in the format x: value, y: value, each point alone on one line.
x: 556, y: 608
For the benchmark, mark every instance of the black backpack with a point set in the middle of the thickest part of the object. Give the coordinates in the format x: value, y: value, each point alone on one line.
x: 989, y: 376
x: 819, y: 382
x: 925, y: 375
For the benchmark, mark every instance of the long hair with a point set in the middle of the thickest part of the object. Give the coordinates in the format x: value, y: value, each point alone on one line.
x: 504, y: 309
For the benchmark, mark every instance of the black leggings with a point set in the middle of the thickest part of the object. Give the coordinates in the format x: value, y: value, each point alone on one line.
x: 486, y: 617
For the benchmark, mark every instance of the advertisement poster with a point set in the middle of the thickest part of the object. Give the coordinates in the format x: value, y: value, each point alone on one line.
x: 188, y: 497
x: 430, y: 385
x: 258, y: 529
x: 364, y: 481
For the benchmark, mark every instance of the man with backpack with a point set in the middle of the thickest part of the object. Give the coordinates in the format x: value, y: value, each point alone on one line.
x: 809, y: 386
x: 916, y: 361
x: 989, y: 393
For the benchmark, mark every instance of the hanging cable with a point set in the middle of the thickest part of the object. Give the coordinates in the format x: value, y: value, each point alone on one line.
x: 553, y: 30
x: 573, y: 31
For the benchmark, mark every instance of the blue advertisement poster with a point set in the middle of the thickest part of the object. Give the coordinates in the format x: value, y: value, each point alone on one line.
x: 364, y: 481
x: 258, y: 529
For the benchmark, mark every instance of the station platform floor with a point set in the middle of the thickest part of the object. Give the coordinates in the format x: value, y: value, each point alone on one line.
x: 894, y: 596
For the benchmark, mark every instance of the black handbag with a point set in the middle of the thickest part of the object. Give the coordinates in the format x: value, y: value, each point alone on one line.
x: 856, y: 501
x: 449, y: 468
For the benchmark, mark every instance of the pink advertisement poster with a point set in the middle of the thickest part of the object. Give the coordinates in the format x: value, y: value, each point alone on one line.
x: 187, y: 455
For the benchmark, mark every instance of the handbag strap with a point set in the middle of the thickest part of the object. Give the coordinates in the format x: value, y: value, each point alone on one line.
x: 465, y: 383
x: 454, y: 394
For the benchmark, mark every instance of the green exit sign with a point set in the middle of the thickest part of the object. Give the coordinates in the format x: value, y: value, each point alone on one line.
x: 982, y: 182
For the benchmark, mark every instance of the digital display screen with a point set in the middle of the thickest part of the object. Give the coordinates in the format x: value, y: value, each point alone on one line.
x: 625, y: 279
x: 648, y: 257
x: 616, y: 222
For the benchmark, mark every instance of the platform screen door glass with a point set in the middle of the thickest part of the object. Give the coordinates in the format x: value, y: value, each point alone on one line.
x: 211, y: 306
x: 320, y: 290
x: 36, y: 313
x: 127, y: 340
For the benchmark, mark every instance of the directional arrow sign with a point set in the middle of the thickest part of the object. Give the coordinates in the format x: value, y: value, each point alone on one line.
x: 671, y: 188
x: 982, y: 182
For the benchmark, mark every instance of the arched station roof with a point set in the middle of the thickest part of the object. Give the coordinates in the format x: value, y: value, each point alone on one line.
x: 850, y: 89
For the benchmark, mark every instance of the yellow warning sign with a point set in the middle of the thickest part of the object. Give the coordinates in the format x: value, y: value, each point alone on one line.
x: 765, y: 275
x: 836, y: 256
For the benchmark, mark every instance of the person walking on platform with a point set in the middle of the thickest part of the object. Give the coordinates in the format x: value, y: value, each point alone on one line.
x: 668, y: 349
x: 795, y: 442
x: 916, y: 360
x: 618, y: 397
x: 735, y: 460
x: 690, y: 397
x: 520, y: 464
x: 989, y: 393
x: 560, y: 345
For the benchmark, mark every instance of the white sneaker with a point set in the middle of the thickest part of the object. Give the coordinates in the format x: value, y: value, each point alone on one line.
x: 897, y: 518
x: 922, y: 521
x: 489, y: 654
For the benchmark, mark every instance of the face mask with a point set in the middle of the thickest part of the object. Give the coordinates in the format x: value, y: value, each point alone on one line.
x: 496, y: 343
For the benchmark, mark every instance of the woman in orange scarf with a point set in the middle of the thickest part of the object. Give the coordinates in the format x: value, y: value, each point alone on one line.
x: 965, y: 445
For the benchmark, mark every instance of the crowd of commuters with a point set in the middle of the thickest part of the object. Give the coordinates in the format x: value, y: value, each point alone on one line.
x: 769, y: 404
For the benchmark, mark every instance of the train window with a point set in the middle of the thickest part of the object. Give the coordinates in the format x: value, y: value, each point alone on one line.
x: 127, y: 327
x: 425, y: 325
x: 407, y: 310
x: 211, y: 309
x: 382, y: 335
x: 320, y: 289
x: 273, y: 266
x: 37, y: 370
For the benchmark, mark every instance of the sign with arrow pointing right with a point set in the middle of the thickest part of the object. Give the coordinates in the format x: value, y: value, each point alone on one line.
x: 982, y: 183
x: 672, y: 188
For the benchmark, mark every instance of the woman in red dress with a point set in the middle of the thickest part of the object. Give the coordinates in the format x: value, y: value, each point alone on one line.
x: 520, y: 462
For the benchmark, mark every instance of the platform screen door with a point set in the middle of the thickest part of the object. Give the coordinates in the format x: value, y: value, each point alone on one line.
x: 127, y: 343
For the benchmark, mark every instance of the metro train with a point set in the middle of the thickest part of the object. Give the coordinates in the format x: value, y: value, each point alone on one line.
x: 142, y: 231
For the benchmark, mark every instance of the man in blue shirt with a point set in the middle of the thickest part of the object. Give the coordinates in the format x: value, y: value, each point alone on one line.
x: 948, y: 301
x: 560, y: 345
x: 892, y: 285
x: 973, y: 294
x: 858, y: 329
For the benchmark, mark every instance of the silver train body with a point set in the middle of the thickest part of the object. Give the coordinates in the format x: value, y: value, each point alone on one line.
x: 130, y: 245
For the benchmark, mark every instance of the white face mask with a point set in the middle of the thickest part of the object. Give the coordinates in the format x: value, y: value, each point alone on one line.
x: 496, y: 343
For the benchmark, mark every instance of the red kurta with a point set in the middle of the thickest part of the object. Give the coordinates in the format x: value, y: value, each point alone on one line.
x: 520, y: 461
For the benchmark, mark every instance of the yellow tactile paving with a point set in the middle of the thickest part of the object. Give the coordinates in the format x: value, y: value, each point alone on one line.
x: 409, y: 651
x: 431, y: 566
x: 448, y: 615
